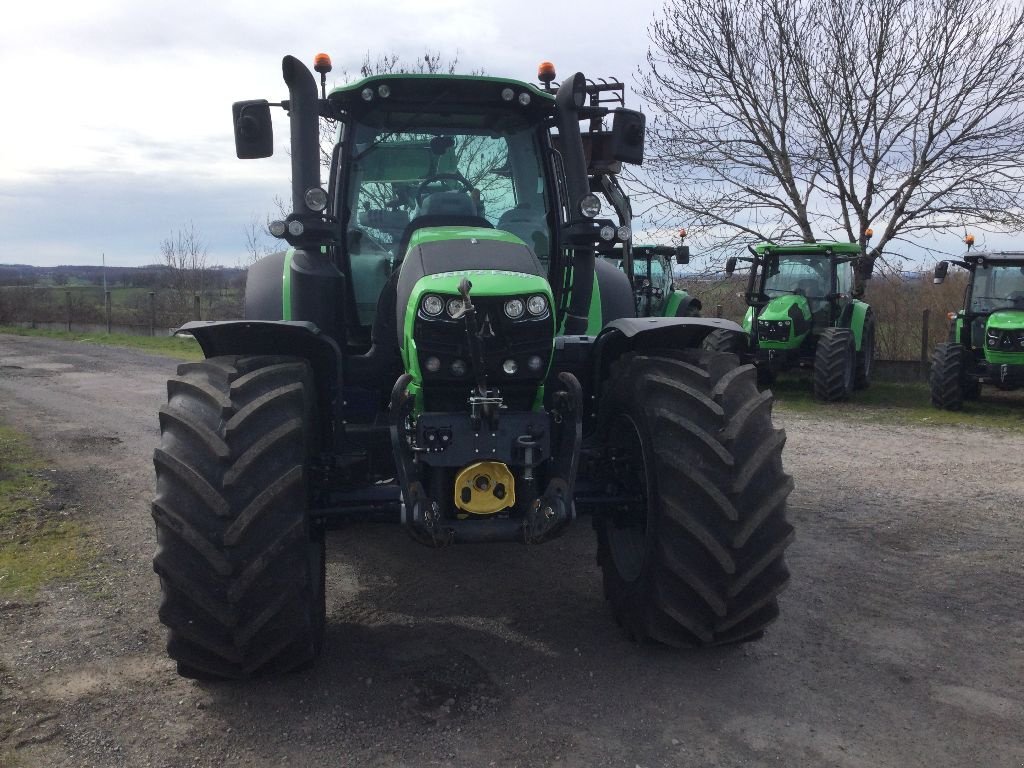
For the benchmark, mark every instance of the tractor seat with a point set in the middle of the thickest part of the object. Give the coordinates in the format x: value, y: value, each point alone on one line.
x: 529, y: 226
x: 808, y: 287
x: 448, y: 204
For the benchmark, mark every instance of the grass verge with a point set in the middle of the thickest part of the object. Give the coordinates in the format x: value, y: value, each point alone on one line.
x: 171, y: 346
x: 902, y: 404
x: 39, y: 543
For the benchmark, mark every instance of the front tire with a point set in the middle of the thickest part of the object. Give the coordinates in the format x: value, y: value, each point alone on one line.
x: 696, y: 558
x: 835, y: 361
x: 946, y: 378
x: 241, y: 565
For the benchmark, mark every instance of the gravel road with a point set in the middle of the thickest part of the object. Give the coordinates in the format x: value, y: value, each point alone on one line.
x: 901, y: 641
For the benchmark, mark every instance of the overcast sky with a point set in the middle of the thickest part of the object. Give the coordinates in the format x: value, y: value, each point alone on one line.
x: 117, y: 124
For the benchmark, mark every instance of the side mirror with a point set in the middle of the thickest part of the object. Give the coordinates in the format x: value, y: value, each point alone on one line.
x: 730, y: 265
x: 254, y: 132
x: 683, y: 254
x: 940, y: 272
x: 628, y: 128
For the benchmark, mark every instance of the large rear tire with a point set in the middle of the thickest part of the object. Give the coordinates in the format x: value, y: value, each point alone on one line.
x: 695, y: 557
x: 241, y: 565
x: 724, y: 340
x: 946, y: 378
x: 835, y: 362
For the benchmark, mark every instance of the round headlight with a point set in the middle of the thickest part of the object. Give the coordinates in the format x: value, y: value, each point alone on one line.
x: 433, y: 364
x: 384, y: 90
x: 277, y: 228
x: 510, y: 367
x: 537, y: 305
x: 367, y: 94
x: 590, y: 206
x: 514, y: 308
x: 524, y: 98
x: 507, y: 94
x: 624, y: 233
x: 316, y: 199
x: 607, y: 232
x: 296, y: 228
x: 458, y: 367
x: 535, y: 363
x: 432, y: 305
x: 456, y: 307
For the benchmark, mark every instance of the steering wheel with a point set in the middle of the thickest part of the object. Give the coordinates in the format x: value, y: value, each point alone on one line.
x: 422, y: 191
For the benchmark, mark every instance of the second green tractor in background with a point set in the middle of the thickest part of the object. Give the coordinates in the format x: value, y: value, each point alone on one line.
x: 803, y: 311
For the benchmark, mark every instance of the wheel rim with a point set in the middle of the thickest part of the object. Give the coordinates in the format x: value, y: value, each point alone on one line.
x: 626, y: 527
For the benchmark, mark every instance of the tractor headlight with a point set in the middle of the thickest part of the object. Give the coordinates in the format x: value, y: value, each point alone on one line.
x: 537, y: 305
x: 524, y: 98
x: 432, y: 305
x: 316, y: 199
x: 384, y: 90
x: 456, y: 308
x: 1020, y: 338
x: 507, y: 94
x: 367, y: 94
x: 514, y: 308
x: 590, y: 205
x: 607, y: 232
x: 623, y: 233
x: 510, y: 367
x: 993, y: 338
x: 296, y: 228
x: 278, y: 228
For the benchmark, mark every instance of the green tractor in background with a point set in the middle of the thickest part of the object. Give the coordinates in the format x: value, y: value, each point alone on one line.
x: 802, y: 312
x: 654, y: 283
x: 986, y: 336
x: 442, y: 348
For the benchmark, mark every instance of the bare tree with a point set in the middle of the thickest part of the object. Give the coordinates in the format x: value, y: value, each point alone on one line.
x: 827, y: 118
x: 257, y: 239
x: 185, y: 254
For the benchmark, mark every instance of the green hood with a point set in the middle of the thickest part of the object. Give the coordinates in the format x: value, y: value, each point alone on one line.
x: 1008, y: 325
x: 783, y: 309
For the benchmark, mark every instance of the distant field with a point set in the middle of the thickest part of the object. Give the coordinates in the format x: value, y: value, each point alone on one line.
x: 185, y: 348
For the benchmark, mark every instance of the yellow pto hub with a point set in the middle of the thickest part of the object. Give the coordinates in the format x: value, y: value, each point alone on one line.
x: 485, y: 488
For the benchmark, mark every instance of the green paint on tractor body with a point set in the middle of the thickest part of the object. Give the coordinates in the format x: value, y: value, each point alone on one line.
x: 776, y: 328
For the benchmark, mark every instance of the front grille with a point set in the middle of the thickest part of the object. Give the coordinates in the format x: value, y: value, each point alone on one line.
x: 503, y: 339
x: 773, y: 330
x: 1002, y: 340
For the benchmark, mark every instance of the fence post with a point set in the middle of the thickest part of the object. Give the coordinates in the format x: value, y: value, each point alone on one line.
x: 67, y: 302
x: 718, y: 310
x: 106, y: 304
x: 924, y: 340
x: 196, y: 309
x: 152, y: 313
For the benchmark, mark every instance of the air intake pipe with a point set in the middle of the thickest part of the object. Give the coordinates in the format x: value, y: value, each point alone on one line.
x: 570, y: 98
x: 304, y: 116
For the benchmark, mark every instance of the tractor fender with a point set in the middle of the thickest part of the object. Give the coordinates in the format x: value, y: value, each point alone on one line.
x: 638, y: 334
x: 854, y: 320
x: 264, y: 282
x: 281, y: 337
x: 681, y: 304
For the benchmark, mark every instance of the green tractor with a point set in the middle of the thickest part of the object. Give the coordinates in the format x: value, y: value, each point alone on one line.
x: 986, y: 336
x: 441, y: 348
x: 654, y: 283
x: 802, y: 312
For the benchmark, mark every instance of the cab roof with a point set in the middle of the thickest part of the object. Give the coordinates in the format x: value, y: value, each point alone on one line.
x: 1005, y: 256
x: 809, y: 249
x: 405, y: 92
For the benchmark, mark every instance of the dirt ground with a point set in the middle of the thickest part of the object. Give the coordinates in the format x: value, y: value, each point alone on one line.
x: 901, y: 641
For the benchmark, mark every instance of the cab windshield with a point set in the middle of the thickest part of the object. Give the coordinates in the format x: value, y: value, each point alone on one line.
x: 997, y: 287
x: 437, y: 170
x: 802, y: 276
